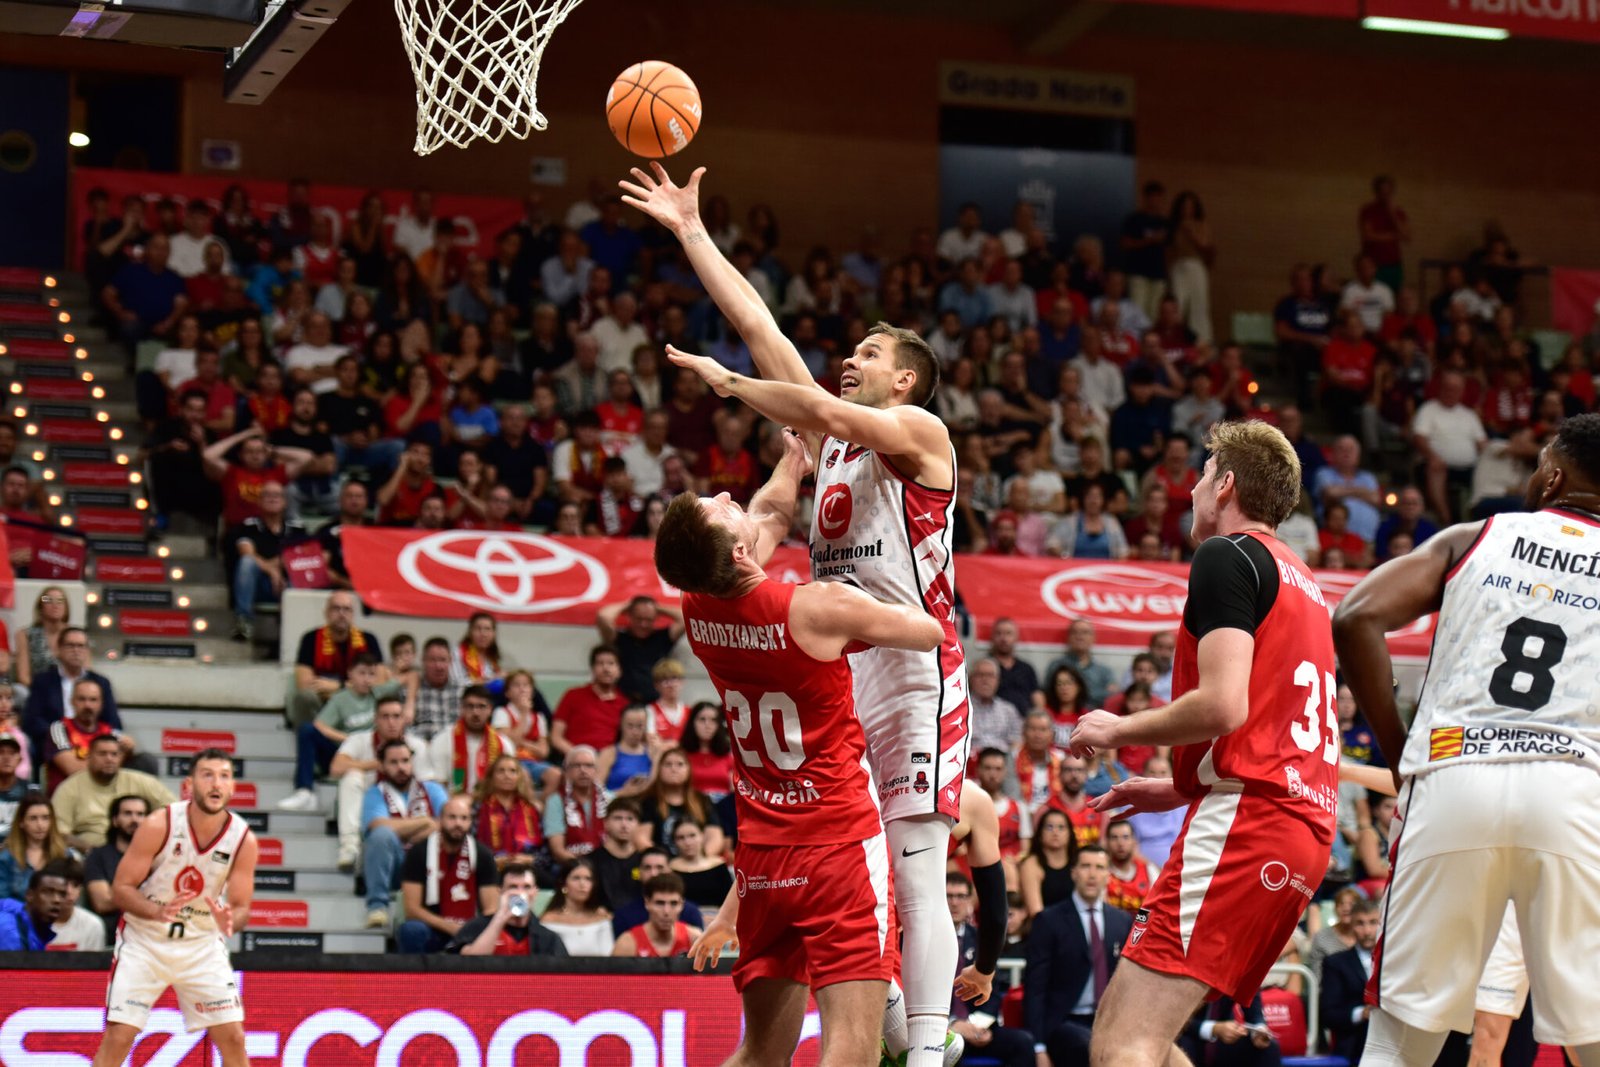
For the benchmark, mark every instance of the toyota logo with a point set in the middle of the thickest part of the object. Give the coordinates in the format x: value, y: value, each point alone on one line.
x: 503, y: 572
x: 833, y: 511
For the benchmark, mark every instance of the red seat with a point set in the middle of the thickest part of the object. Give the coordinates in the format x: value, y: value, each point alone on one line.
x: 1286, y: 1018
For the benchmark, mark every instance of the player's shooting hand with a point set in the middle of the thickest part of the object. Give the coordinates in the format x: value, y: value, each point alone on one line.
x: 717, y: 376
x: 974, y: 986
x: 222, y: 915
x: 712, y: 942
x: 1095, y: 731
x: 1140, y: 795
x: 677, y: 207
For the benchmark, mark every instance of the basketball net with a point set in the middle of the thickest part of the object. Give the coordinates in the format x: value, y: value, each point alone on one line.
x: 476, y: 65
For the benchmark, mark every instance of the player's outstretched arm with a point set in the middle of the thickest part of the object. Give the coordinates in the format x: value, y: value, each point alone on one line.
x: 1397, y: 593
x: 1217, y: 705
x: 898, y: 431
x: 772, y: 508
x: 827, y: 617
x: 677, y: 207
x: 1372, y: 779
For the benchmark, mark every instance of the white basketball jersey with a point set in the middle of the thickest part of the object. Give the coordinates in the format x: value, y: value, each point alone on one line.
x: 1512, y: 672
x: 191, y: 871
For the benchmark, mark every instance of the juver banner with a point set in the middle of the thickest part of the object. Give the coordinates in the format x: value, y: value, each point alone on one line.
x: 526, y: 577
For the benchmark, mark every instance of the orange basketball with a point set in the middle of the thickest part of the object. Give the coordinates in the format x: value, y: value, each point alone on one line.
x: 653, y: 109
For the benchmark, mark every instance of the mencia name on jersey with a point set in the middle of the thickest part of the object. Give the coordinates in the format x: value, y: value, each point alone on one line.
x: 1585, y: 563
x: 829, y: 560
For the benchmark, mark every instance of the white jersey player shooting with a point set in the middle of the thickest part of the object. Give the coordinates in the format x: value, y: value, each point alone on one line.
x: 183, y: 887
x: 1500, y: 775
x: 885, y: 473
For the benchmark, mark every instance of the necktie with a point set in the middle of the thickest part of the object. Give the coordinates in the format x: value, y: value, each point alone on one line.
x: 1097, y: 957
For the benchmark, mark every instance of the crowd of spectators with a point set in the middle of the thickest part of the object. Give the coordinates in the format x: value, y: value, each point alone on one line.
x: 527, y: 386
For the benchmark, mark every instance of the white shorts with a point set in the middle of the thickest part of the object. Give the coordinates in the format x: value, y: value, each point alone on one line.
x: 913, y: 709
x: 1503, y: 989
x: 197, y: 969
x: 1476, y: 838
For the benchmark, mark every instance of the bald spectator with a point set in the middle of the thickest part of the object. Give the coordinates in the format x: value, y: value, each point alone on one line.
x: 323, y: 661
x: 1448, y: 436
x: 448, y: 878
x: 1407, y: 518
x: 580, y: 383
x: 312, y: 361
x: 1345, y: 482
x: 618, y: 333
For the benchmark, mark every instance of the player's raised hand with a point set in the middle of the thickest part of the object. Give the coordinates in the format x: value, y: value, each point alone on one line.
x: 222, y: 915
x: 973, y: 985
x: 716, y: 938
x: 1140, y: 795
x: 1095, y: 731
x: 677, y: 207
x: 796, y: 451
x: 717, y: 376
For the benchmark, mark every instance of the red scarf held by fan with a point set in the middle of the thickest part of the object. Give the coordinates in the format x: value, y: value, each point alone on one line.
x: 488, y: 752
x: 473, y: 661
x: 515, y: 830
x: 1026, y: 766
x: 327, y: 660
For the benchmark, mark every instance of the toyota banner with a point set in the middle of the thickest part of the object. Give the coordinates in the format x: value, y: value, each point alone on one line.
x: 384, y: 1019
x: 527, y: 577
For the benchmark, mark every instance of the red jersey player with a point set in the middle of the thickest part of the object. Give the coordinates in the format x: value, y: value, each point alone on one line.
x: 1256, y: 750
x: 811, y: 902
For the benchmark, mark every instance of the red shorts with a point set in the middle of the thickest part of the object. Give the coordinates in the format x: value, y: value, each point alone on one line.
x: 1239, y: 877
x: 816, y: 914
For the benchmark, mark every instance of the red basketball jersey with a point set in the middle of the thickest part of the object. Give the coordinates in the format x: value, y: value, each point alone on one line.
x: 800, y: 774
x: 1288, y: 746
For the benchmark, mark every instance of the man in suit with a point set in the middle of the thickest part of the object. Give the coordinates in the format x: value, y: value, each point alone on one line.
x: 1344, y: 984
x: 51, y: 696
x: 1072, y: 953
x: 1217, y: 1037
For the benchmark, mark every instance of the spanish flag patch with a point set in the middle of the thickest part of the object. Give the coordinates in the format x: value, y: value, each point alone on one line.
x: 1444, y: 743
x: 1572, y: 531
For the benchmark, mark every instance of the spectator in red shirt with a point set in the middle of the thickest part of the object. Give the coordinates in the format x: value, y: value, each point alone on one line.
x: 208, y: 290
x: 267, y: 407
x: 1347, y: 369
x: 221, y: 401
x: 415, y: 410
x: 259, y: 463
x: 589, y: 714
x: 1384, y: 228
x: 497, y: 514
x: 691, y: 416
x: 1003, y: 535
x: 400, y: 499
x: 1232, y: 382
x: 1409, y: 315
x: 728, y: 466
x: 1508, y: 407
x: 1335, y: 533
x: 621, y: 420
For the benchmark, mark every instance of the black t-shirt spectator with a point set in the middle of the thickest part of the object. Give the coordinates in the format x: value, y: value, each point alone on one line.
x: 330, y: 541
x: 348, y: 414
x: 1308, y: 315
x: 101, y: 864
x: 1149, y: 262
x: 639, y: 658
x: 515, y: 465
x: 339, y: 665
x: 536, y: 940
x: 268, y: 543
x: 1017, y: 684
x: 618, y: 878
x: 415, y: 868
x: 314, y: 441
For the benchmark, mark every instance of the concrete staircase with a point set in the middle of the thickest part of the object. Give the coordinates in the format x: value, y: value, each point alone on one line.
x: 303, y: 902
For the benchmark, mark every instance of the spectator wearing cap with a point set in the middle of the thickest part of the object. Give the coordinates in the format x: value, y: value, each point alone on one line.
x: 13, y: 786
x: 589, y: 714
x: 10, y: 727
x: 323, y: 660
x: 28, y: 925
x: 82, y: 804
x: 127, y: 813
x: 641, y: 642
x: 511, y: 930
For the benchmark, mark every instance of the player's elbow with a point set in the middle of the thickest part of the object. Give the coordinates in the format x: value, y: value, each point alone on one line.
x: 1225, y: 712
x: 929, y: 634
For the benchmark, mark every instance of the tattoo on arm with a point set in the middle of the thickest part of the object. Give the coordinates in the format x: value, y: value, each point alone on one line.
x: 694, y: 238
